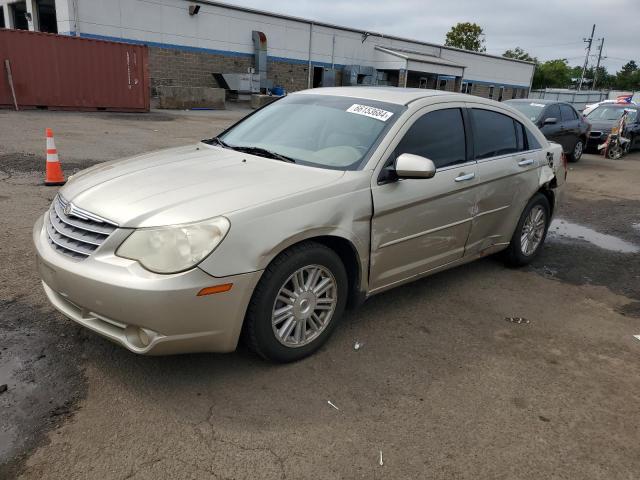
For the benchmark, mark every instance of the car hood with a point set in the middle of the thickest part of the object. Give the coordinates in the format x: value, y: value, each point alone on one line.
x: 187, y: 184
x: 601, y: 125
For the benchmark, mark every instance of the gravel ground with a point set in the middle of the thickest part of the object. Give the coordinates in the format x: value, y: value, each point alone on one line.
x: 443, y: 386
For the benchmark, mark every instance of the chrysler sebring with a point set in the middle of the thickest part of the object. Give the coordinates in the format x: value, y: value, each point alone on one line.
x: 309, y: 205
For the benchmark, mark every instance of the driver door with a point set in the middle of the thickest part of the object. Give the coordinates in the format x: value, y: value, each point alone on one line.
x: 422, y: 224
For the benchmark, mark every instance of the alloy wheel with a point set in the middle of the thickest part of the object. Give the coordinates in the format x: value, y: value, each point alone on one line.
x: 533, y: 230
x: 304, y: 306
x: 577, y: 151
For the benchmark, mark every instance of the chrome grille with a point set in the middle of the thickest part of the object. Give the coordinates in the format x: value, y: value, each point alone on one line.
x: 76, y: 233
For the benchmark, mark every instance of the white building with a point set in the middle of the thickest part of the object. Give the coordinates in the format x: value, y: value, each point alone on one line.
x: 191, y: 40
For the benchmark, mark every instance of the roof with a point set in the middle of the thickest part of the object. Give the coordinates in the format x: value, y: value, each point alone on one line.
x: 349, y: 29
x: 397, y: 95
x: 418, y: 57
x: 541, y: 101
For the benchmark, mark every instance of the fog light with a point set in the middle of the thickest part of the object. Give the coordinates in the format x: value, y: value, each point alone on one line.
x: 139, y: 337
x: 144, y: 336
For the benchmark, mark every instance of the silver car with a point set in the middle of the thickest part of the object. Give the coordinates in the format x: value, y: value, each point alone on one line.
x: 307, y: 206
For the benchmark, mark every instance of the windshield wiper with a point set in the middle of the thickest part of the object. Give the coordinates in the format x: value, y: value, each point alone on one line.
x: 217, y: 140
x: 263, y: 152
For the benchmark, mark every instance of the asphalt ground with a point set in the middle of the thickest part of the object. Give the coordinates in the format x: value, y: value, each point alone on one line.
x: 443, y: 385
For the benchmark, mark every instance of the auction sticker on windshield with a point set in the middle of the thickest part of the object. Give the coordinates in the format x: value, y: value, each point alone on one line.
x: 370, y: 112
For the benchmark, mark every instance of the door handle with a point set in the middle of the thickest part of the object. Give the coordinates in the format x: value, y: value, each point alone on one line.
x: 465, y: 177
x: 524, y: 163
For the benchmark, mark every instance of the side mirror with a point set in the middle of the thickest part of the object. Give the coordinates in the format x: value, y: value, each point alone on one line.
x: 550, y: 121
x: 414, y: 166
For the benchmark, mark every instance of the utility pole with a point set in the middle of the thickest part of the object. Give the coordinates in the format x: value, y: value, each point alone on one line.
x: 595, y: 73
x: 588, y: 41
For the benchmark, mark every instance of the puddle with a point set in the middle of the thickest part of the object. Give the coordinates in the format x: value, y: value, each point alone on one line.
x: 564, y: 229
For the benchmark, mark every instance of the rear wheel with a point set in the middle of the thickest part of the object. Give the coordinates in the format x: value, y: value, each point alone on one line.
x: 297, y: 303
x: 578, y: 150
x: 530, y: 233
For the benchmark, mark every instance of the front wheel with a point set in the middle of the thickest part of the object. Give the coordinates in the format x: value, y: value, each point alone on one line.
x: 530, y: 233
x: 297, y: 303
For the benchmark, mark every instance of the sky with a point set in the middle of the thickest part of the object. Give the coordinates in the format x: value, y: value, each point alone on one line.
x: 546, y: 29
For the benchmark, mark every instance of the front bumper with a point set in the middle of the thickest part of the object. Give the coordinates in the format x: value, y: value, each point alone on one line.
x: 596, y: 138
x: 117, y: 298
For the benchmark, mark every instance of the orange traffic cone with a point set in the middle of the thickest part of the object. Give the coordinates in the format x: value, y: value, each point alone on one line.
x: 54, y: 169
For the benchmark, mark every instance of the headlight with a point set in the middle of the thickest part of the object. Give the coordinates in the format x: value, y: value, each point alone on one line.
x: 174, y: 248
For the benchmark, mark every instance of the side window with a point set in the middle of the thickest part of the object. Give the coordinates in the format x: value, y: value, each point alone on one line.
x: 567, y: 113
x: 552, y: 111
x: 438, y: 136
x: 493, y: 134
x: 532, y: 143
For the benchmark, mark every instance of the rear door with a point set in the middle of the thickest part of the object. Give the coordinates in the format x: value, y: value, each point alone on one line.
x: 508, y: 174
x: 553, y: 131
x: 570, y: 127
x: 421, y: 224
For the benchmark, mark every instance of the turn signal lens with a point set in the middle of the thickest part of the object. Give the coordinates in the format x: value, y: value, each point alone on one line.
x: 215, y: 289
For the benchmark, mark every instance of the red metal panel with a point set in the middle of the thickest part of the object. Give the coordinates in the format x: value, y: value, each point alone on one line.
x: 70, y: 73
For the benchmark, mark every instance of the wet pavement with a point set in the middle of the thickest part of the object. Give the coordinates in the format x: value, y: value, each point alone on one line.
x: 572, y: 231
x: 440, y: 383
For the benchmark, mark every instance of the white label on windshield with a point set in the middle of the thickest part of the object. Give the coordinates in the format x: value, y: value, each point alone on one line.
x: 370, y: 112
x: 537, y: 105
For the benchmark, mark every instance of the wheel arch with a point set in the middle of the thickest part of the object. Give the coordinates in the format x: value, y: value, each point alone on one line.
x: 348, y: 254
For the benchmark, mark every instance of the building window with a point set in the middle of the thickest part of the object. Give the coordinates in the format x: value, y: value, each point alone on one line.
x: 467, y: 87
x: 491, y: 88
x: 500, y: 93
x: 515, y: 93
x: 19, y: 13
x: 442, y: 85
x: 47, y: 16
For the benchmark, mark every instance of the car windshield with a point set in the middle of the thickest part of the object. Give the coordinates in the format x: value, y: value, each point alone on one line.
x: 610, y: 114
x: 317, y: 130
x: 531, y: 110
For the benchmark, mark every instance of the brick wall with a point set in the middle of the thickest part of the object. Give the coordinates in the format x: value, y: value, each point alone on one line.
x: 292, y: 76
x: 168, y: 67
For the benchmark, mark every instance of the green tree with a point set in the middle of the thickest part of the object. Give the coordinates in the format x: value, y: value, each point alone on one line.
x: 628, y: 78
x: 552, y: 74
x: 466, y: 35
x: 519, y: 54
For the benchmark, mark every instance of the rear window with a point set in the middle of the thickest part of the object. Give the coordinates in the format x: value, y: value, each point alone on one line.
x: 494, y: 134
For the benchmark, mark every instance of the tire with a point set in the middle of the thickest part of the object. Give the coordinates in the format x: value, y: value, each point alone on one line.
x: 318, y: 314
x: 577, y: 152
x: 518, y: 255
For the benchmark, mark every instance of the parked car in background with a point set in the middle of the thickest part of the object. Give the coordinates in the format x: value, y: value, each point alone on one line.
x: 318, y: 200
x: 604, y: 117
x: 626, y: 100
x: 558, y: 121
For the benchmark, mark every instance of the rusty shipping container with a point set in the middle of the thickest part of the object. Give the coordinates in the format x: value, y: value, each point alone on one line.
x: 69, y: 73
